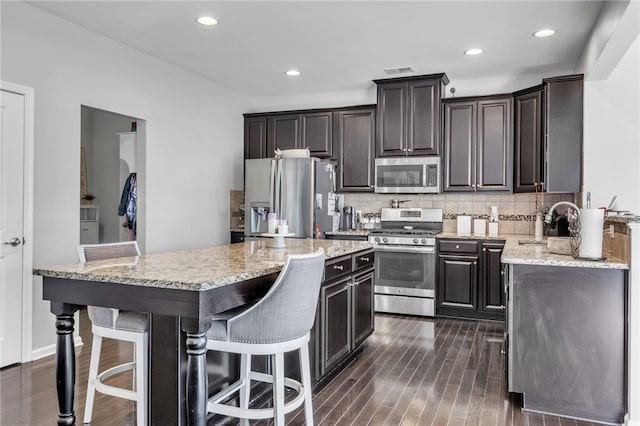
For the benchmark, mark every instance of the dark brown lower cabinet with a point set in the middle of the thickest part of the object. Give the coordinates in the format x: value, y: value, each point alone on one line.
x: 469, y: 279
x: 362, y: 308
x: 344, y: 318
x: 346, y: 310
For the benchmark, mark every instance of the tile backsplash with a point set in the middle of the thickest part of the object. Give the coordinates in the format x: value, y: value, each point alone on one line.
x: 517, y: 211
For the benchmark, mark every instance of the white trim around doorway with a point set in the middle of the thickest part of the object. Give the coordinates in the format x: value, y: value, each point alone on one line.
x: 27, y: 266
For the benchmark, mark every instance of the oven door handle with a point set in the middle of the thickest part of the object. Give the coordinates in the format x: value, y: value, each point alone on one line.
x: 406, y: 249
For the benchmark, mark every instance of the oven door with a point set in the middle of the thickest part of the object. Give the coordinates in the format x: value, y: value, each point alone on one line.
x: 405, y: 270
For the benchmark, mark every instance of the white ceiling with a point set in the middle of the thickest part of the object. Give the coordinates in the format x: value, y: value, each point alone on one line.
x: 340, y: 45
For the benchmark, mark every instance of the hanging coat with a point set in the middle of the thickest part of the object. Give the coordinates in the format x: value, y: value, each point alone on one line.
x: 128, y: 201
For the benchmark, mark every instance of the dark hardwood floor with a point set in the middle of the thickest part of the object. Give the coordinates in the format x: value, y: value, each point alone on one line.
x: 414, y: 371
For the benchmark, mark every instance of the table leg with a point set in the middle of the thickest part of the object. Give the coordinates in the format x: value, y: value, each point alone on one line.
x: 65, y: 361
x: 197, y: 385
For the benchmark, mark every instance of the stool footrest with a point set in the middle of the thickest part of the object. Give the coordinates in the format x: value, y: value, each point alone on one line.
x: 214, y: 405
x: 113, y: 390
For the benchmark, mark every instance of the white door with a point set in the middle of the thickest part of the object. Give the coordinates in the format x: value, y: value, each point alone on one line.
x: 11, y: 225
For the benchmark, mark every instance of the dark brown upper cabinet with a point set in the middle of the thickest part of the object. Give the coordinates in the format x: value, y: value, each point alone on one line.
x: 528, y: 148
x: 354, y: 142
x: 284, y: 132
x: 478, y: 144
x: 264, y: 133
x: 317, y: 133
x: 255, y: 137
x: 563, y: 103
x: 548, y: 136
x: 408, y: 116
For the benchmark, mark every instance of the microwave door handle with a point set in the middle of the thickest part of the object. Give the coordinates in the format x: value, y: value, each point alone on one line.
x: 424, y: 175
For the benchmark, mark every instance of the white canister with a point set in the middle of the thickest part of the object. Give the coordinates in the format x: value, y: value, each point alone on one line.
x: 463, y: 223
x: 272, y: 223
x: 283, y: 228
x: 591, y: 230
x: 479, y: 226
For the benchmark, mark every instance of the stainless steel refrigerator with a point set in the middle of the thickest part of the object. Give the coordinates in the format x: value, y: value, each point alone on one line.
x: 299, y: 190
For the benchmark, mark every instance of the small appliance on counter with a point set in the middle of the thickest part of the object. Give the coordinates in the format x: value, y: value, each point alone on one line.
x: 347, y: 213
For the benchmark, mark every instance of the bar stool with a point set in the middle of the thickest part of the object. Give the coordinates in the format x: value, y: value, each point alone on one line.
x: 119, y: 325
x: 280, y: 322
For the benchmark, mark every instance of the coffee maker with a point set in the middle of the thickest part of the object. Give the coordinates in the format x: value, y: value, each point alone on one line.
x: 347, y: 214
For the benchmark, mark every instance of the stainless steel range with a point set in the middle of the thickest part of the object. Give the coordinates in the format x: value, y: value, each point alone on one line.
x: 405, y: 261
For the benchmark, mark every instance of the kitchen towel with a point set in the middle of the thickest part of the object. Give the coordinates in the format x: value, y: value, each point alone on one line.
x: 591, y: 229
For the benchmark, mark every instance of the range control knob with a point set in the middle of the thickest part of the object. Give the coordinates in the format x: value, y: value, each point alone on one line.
x: 416, y: 241
x: 385, y: 240
x: 424, y: 241
x: 377, y: 239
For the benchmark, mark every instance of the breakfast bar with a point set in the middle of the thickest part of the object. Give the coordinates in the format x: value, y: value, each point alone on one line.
x: 182, y: 291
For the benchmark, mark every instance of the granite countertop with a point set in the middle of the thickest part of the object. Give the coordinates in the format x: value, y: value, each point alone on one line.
x: 364, y: 232
x: 537, y: 254
x: 200, y: 269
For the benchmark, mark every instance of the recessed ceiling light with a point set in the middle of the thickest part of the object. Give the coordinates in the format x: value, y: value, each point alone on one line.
x: 207, y: 20
x: 545, y: 32
x: 473, y: 52
x: 293, y: 73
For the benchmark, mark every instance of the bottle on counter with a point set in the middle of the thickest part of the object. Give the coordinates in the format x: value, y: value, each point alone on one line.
x: 318, y: 233
x: 538, y: 227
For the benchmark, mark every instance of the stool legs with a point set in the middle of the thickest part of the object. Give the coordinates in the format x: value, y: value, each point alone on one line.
x: 305, y: 373
x: 278, y: 388
x: 96, y: 347
x: 245, y: 390
x: 141, y: 349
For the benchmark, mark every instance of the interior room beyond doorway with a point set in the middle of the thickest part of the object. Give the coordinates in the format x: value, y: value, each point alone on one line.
x: 109, y: 195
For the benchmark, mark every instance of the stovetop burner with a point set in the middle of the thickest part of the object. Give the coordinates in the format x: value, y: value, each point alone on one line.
x: 392, y: 231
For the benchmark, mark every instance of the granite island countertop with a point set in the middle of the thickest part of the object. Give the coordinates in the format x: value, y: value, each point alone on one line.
x: 536, y: 254
x: 200, y: 269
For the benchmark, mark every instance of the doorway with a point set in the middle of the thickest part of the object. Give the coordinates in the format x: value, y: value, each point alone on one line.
x: 111, y: 145
x: 16, y: 222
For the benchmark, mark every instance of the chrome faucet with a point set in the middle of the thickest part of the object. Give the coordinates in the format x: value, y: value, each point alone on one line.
x: 549, y: 216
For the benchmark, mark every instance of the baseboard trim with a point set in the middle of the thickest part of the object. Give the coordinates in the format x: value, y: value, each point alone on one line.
x: 51, y: 349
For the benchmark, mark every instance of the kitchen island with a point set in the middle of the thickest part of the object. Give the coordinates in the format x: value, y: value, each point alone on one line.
x: 566, y: 333
x: 182, y: 291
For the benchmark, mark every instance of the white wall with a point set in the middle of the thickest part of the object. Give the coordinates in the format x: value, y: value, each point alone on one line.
x: 612, y: 134
x: 193, y: 131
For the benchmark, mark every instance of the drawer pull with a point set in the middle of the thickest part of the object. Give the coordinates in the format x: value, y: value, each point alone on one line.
x: 338, y: 267
x: 364, y: 259
x: 457, y: 246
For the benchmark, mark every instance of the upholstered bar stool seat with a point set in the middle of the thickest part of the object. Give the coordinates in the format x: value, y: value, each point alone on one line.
x: 279, y: 323
x: 120, y: 325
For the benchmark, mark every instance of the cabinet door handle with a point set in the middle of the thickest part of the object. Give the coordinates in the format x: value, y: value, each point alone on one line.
x: 502, y: 351
x: 457, y: 246
x: 355, y: 283
x: 364, y: 259
x: 338, y: 267
x: 484, y: 249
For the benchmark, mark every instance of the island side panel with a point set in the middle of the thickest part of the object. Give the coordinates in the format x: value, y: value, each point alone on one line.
x: 569, y: 339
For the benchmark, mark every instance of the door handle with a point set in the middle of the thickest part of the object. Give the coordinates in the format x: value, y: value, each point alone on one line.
x: 14, y: 242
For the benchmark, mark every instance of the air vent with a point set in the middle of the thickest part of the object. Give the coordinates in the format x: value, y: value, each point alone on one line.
x: 395, y: 71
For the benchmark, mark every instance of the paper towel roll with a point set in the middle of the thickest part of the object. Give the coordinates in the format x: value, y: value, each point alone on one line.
x: 591, y: 225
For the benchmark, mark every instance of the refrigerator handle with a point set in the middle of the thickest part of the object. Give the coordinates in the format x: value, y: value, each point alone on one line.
x: 277, y: 205
x: 272, y: 188
x: 283, y: 192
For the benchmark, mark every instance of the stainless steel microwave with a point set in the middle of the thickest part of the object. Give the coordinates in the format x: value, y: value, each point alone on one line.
x: 413, y: 175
